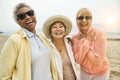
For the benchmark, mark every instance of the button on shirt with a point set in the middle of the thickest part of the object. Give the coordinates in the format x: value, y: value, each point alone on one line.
x: 40, y: 57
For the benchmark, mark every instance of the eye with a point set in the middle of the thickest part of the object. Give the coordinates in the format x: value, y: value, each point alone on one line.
x: 88, y: 17
x: 30, y: 13
x: 21, y: 16
x: 54, y: 26
x: 80, y: 18
x: 61, y: 26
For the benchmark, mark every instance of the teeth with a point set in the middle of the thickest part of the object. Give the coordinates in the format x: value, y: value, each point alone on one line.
x: 58, y: 33
x: 28, y: 22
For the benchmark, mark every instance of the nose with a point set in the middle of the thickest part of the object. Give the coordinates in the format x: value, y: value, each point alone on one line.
x: 27, y: 16
x: 58, y: 28
x: 84, y: 19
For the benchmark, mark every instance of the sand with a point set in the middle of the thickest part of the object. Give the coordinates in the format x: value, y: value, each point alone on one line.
x: 113, y: 54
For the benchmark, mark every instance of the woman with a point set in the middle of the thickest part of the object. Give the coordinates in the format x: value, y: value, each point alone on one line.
x: 90, y: 48
x: 56, y: 28
x: 25, y: 55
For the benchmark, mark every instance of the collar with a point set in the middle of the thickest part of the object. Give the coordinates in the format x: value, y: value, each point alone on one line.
x: 28, y: 33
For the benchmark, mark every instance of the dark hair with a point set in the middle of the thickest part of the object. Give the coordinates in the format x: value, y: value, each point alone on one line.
x: 53, y: 24
x: 70, y: 41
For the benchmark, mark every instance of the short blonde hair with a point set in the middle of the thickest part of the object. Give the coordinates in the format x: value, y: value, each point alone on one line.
x: 83, y: 11
x: 19, y: 6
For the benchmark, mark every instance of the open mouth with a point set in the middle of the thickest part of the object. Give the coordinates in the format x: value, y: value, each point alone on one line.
x: 58, y: 32
x: 29, y: 22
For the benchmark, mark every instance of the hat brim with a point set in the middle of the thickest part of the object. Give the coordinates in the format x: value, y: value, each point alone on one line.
x: 56, y: 18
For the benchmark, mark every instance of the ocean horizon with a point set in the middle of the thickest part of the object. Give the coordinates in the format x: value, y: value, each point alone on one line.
x: 113, y: 33
x: 109, y: 35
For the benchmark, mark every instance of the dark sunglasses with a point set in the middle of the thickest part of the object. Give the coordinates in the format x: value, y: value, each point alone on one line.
x: 22, y: 16
x: 82, y: 17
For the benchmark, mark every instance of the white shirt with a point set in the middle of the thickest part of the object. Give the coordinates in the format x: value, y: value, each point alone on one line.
x: 40, y: 57
x: 58, y: 60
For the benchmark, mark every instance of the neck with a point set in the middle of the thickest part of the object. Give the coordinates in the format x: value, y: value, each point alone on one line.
x: 58, y: 41
x: 84, y: 31
x: 59, y: 44
x: 34, y: 32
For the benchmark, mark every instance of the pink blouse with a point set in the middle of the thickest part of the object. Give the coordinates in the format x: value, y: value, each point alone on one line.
x: 91, y: 55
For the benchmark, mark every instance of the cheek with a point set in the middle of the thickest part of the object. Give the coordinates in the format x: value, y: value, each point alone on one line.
x: 78, y: 23
x: 52, y: 31
x: 64, y: 30
x: 90, y: 22
x: 34, y: 18
x: 21, y: 23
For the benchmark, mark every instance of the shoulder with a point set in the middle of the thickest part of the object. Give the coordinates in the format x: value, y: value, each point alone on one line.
x: 15, y: 37
x: 44, y: 39
x: 99, y: 32
x: 75, y: 36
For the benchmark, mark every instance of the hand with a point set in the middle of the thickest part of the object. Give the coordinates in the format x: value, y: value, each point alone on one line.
x: 90, y: 37
x: 80, y: 36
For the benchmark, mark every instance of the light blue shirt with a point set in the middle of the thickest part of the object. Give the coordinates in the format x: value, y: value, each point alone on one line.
x: 40, y: 58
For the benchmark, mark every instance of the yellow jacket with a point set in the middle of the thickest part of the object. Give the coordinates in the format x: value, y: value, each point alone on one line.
x: 15, y: 58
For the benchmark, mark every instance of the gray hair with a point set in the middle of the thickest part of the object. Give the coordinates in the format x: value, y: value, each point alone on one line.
x: 19, y: 6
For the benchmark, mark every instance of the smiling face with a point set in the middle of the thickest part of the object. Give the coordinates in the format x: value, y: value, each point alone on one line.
x: 84, y: 19
x: 28, y: 20
x: 57, y: 30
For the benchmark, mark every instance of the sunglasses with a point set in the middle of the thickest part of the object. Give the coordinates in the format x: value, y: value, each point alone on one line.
x: 22, y: 16
x: 82, y: 17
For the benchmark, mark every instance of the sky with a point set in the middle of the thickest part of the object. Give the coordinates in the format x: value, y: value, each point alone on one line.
x: 104, y: 12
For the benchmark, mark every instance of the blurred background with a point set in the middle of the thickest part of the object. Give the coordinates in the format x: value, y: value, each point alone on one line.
x: 106, y: 16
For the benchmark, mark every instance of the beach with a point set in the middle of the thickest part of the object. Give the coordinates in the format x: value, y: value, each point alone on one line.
x: 113, y: 54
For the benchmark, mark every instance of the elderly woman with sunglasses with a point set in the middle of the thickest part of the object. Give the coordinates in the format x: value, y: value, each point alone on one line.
x: 89, y: 47
x: 25, y: 55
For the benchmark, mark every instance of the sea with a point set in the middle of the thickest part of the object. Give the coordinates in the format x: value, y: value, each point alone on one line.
x: 110, y: 34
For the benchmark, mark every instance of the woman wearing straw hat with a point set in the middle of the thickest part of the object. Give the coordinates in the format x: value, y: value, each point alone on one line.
x: 56, y: 28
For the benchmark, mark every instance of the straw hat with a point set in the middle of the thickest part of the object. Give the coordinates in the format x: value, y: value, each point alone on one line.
x: 66, y: 21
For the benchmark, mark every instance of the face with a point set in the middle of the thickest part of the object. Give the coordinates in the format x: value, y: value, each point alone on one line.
x: 58, y: 30
x: 84, y: 21
x: 26, y: 19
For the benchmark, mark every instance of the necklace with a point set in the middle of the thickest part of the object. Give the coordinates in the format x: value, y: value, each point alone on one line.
x: 60, y: 50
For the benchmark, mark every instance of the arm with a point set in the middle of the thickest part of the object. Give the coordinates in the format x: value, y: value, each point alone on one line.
x: 80, y: 49
x: 8, y: 57
x: 97, y: 54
